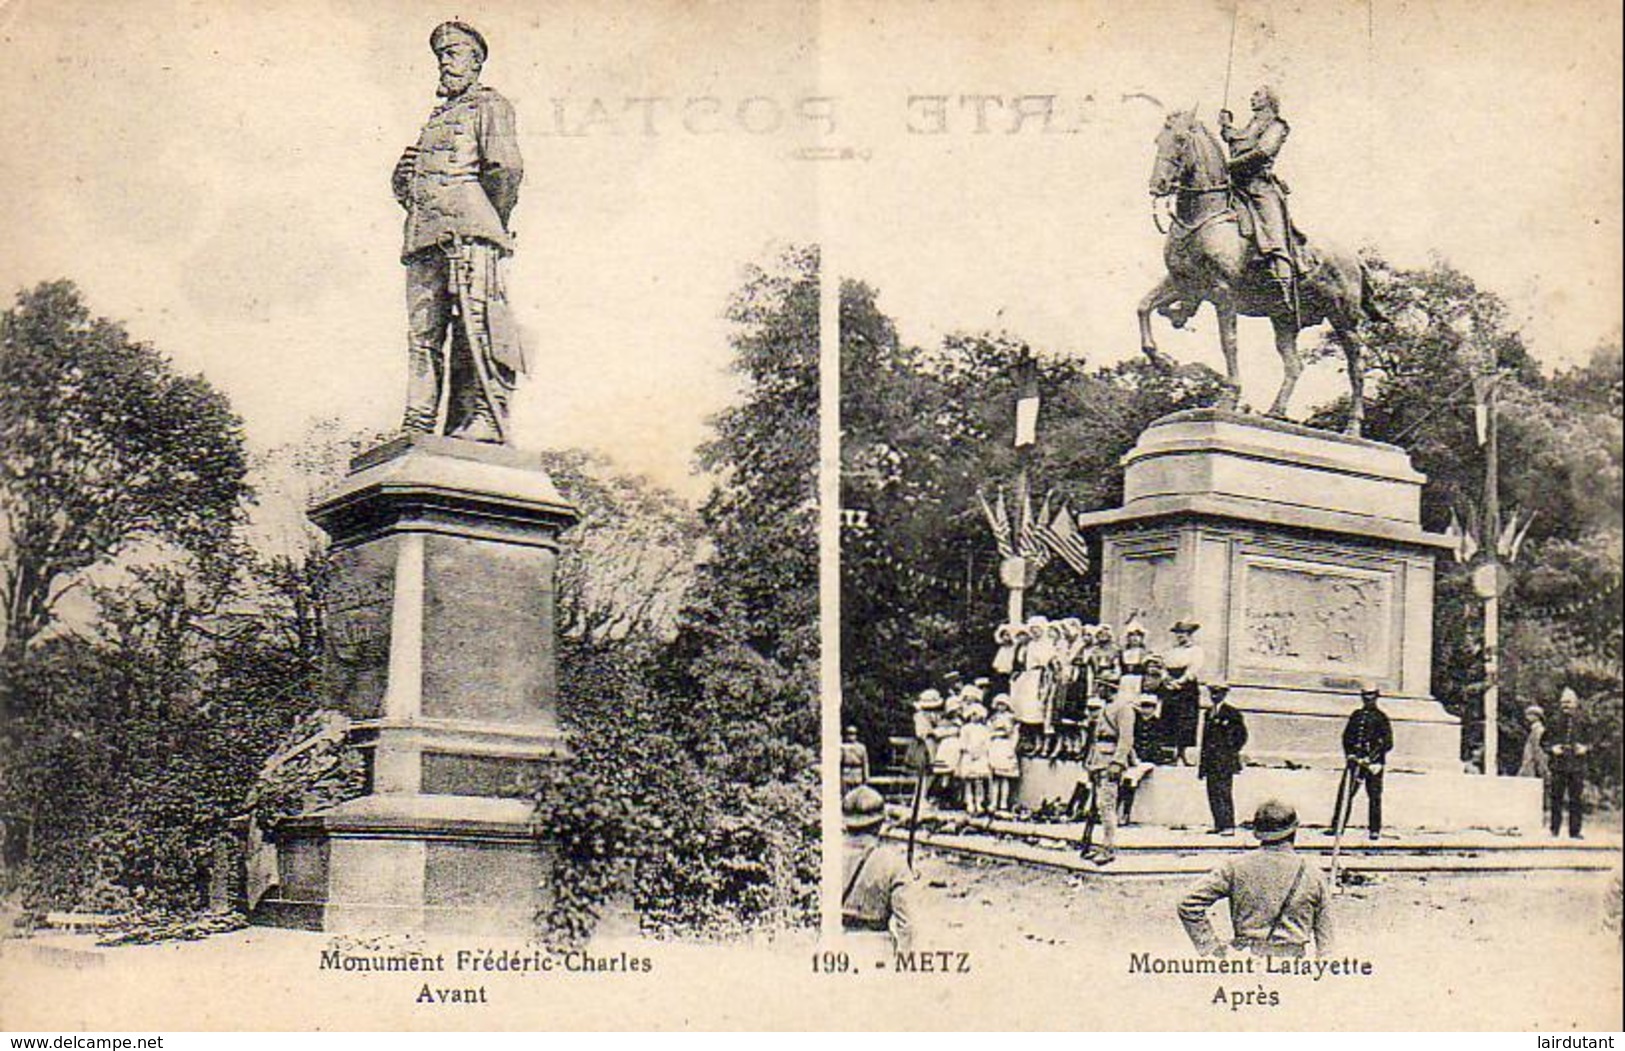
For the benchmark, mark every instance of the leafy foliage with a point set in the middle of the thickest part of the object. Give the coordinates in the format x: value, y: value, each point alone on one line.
x: 760, y: 585
x: 1560, y: 460
x: 625, y: 568
x: 694, y: 792
x: 639, y: 814
x: 101, y: 445
x: 142, y: 743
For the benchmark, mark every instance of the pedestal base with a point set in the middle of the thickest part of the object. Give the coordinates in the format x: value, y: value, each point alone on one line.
x: 1301, y: 555
x: 440, y: 648
x: 408, y: 863
x: 1174, y: 796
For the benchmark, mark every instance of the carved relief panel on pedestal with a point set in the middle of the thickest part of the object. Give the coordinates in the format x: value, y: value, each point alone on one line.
x: 1316, y: 619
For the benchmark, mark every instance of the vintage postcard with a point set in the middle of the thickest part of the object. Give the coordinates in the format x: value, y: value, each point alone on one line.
x: 1231, y: 512
x: 811, y: 514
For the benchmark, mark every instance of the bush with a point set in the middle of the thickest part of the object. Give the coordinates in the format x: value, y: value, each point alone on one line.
x: 642, y: 813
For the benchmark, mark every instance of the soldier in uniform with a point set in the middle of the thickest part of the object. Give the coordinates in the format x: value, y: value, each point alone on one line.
x: 459, y: 185
x: 1253, y: 149
x: 1368, y: 737
x: 1220, y: 759
x: 1278, y: 900
x: 876, y: 882
x: 1566, y: 744
x: 1533, y: 761
x: 854, y: 760
x: 1109, y: 751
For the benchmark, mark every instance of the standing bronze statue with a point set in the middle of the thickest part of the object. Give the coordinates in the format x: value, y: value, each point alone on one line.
x: 1231, y: 242
x: 459, y: 185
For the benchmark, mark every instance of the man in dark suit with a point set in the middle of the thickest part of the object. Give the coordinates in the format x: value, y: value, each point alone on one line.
x: 1220, y: 759
x: 1368, y: 737
x: 1567, y: 746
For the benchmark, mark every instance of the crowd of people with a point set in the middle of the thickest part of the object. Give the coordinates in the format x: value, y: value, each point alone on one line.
x: 1051, y: 682
x: 1065, y: 690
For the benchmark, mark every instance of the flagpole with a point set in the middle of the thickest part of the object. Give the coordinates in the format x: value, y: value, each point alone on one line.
x: 1026, y: 439
x: 1492, y: 600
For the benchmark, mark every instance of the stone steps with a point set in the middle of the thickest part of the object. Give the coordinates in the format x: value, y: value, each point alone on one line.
x: 1149, y: 851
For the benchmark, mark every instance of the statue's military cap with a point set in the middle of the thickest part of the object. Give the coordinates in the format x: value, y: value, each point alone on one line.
x: 446, y: 31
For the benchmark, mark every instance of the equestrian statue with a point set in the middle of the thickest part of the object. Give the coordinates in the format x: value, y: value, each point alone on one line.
x: 1231, y: 242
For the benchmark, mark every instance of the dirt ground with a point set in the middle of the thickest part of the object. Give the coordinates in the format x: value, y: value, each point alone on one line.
x: 1449, y: 951
x: 1009, y: 947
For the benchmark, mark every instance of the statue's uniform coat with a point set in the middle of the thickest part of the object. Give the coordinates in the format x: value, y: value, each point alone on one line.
x: 462, y: 178
x: 1252, y: 171
x: 459, y: 185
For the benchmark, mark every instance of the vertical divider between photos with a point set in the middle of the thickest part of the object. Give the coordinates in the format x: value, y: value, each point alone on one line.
x: 829, y: 578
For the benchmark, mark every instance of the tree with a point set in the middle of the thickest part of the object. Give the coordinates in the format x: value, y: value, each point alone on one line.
x: 1560, y: 461
x: 102, y: 445
x: 694, y: 788
x: 626, y: 567
x: 760, y: 585
x: 747, y: 649
x: 141, y: 738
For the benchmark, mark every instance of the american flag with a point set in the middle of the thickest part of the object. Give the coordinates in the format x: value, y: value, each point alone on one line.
x: 1030, y: 542
x: 999, y: 520
x: 1060, y: 534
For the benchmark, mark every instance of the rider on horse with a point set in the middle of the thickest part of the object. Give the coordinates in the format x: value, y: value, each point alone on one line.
x: 1252, y: 159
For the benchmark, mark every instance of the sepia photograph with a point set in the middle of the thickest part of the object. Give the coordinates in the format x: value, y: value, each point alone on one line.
x: 809, y: 515
x: 407, y: 459
x: 1230, y: 538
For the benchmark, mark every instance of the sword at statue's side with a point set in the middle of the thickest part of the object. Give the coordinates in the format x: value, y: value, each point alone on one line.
x: 478, y: 341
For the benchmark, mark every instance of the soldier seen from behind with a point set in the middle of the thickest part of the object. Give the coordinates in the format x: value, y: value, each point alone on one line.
x: 876, y: 881
x: 1279, y: 903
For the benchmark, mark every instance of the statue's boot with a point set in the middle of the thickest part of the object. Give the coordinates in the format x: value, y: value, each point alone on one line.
x: 418, y: 419
x: 479, y: 427
x: 422, y: 388
x: 1285, y: 281
x: 477, y: 419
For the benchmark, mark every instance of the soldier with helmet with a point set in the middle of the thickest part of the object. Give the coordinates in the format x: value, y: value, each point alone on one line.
x: 876, y: 878
x: 1110, y: 749
x: 1279, y: 904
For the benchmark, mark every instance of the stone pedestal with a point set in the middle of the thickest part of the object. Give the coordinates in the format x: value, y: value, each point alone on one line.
x: 440, y: 647
x: 1301, y: 554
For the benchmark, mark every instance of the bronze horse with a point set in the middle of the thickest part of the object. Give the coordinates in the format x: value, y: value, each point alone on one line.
x: 1209, y: 259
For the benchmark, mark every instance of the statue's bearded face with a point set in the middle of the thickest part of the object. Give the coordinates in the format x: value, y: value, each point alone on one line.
x: 459, y: 66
